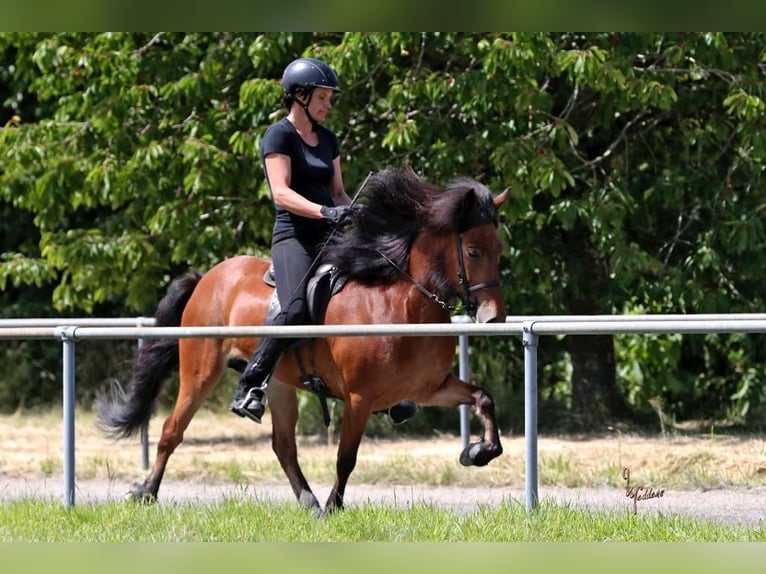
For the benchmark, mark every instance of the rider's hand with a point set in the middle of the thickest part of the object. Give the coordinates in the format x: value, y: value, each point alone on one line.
x: 335, y: 214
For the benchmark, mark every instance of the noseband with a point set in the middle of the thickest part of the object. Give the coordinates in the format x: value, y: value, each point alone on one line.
x: 468, y: 298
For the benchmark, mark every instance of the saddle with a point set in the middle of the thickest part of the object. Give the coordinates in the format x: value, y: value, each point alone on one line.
x: 325, y: 283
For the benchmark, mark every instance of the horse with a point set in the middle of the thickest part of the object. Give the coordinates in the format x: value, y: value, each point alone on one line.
x: 409, y: 251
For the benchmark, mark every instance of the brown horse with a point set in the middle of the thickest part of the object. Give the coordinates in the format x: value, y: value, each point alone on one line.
x: 409, y: 251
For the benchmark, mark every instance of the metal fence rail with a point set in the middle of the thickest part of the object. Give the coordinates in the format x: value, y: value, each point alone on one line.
x: 69, y: 331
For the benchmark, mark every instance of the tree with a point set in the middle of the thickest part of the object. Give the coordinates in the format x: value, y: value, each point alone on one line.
x: 635, y: 162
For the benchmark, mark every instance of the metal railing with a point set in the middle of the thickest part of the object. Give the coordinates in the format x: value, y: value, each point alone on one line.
x: 69, y: 331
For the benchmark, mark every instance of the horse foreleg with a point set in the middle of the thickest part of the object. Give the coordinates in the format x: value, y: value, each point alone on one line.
x: 454, y: 392
x: 283, y: 403
x: 356, y: 413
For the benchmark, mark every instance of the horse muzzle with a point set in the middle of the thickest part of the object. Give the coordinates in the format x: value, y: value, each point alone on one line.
x: 490, y: 312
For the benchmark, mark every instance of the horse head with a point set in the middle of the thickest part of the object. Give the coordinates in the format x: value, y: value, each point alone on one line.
x: 444, y: 240
x: 478, y: 250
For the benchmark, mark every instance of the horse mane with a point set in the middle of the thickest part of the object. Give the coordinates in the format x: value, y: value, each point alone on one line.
x: 396, y: 206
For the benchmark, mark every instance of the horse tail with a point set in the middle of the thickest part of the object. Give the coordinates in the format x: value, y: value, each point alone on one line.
x: 123, y: 413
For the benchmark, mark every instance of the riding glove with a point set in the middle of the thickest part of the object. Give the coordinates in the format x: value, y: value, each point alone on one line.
x: 335, y: 214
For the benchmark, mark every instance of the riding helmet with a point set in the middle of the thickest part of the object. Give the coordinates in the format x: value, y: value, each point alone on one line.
x: 306, y: 73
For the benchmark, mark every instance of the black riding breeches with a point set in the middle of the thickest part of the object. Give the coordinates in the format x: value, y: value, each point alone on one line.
x: 292, y: 269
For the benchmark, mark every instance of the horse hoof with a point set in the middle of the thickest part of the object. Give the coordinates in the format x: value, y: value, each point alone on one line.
x: 469, y: 453
x: 479, y: 454
x: 333, y: 506
x: 139, y: 494
x: 402, y: 412
x: 308, y: 500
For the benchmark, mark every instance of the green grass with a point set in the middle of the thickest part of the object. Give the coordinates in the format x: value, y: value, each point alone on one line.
x: 241, y: 520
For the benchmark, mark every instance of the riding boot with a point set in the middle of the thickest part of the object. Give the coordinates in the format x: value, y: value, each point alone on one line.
x: 248, y: 398
x: 403, y: 411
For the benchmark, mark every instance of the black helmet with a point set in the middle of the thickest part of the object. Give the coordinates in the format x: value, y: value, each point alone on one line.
x: 308, y: 73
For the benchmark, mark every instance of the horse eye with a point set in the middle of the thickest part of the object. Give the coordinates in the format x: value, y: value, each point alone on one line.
x: 472, y: 252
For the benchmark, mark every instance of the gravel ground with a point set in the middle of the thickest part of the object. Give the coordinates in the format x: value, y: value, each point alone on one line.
x: 732, y: 506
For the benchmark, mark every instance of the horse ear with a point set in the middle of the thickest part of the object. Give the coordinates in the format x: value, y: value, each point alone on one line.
x: 465, y: 210
x: 469, y: 201
x: 500, y: 198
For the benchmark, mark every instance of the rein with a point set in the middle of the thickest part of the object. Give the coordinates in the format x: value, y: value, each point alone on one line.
x: 432, y: 296
x: 468, y: 299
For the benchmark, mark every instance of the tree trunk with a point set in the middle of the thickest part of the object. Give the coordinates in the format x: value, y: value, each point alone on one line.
x: 595, y: 397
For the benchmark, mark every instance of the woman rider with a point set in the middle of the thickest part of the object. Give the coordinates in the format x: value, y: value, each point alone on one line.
x: 301, y: 160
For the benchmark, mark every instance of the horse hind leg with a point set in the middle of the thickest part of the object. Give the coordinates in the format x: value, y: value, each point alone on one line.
x: 356, y: 413
x: 283, y: 402
x: 454, y: 392
x: 201, y: 367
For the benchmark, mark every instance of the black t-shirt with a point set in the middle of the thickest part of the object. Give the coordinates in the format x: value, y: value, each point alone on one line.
x: 311, y: 175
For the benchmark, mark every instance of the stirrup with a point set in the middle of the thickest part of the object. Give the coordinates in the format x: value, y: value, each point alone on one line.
x: 251, y: 406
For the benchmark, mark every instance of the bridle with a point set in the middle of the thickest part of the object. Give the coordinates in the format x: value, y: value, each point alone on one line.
x: 468, y: 298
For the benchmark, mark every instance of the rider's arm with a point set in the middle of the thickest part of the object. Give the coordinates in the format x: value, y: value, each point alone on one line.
x: 278, y: 170
x: 339, y: 195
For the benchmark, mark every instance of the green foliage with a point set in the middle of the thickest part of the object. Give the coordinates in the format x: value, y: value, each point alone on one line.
x: 29, y: 375
x: 31, y: 372
x: 635, y: 162
x: 127, y: 165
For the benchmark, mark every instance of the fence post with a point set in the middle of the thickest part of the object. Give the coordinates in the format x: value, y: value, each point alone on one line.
x: 465, y: 410
x: 144, y: 428
x: 67, y: 336
x: 530, y: 341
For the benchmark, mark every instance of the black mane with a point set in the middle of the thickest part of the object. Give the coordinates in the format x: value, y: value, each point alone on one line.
x: 393, y: 208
